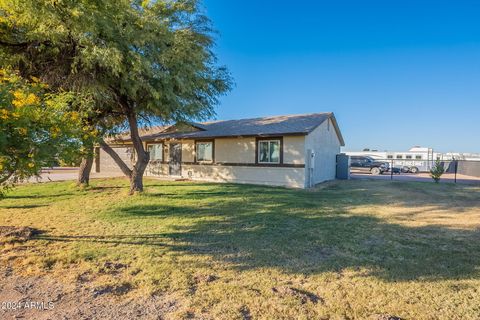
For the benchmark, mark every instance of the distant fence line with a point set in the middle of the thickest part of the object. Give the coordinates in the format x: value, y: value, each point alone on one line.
x: 469, y: 168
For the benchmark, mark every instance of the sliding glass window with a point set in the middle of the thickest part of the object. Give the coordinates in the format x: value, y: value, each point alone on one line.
x: 269, y: 151
x: 204, y: 151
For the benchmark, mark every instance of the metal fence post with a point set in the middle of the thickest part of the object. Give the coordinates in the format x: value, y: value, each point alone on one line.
x: 391, y: 171
x: 456, y: 169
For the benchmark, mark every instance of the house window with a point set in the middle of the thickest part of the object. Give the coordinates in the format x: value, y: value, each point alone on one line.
x: 390, y: 156
x: 156, y: 151
x: 399, y: 156
x: 408, y: 157
x: 269, y: 151
x: 418, y: 157
x: 204, y: 151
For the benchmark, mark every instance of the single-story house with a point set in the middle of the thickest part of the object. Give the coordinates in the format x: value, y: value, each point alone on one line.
x: 293, y: 150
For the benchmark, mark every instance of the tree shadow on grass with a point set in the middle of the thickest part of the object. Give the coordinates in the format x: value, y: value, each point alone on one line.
x: 140, y: 240
x: 102, y: 188
x: 310, y: 232
x: 25, y: 206
x: 38, y: 196
x: 311, y: 245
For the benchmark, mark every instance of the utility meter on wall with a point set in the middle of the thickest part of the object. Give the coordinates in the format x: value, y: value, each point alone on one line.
x: 312, y: 159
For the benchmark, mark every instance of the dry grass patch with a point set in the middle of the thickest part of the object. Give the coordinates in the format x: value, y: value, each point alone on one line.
x: 348, y: 250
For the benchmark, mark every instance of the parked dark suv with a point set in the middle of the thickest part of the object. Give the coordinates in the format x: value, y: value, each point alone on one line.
x: 368, y: 164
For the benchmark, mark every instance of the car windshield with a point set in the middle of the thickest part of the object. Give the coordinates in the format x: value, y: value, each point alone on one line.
x: 369, y: 159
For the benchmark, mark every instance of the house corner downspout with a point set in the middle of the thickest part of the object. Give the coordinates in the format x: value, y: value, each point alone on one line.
x: 310, y: 168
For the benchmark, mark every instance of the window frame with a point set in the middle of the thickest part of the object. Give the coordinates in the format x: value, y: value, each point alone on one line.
x: 162, y: 160
x: 257, y: 150
x: 212, y: 141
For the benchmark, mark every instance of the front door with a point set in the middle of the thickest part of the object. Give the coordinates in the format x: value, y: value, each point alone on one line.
x: 175, y: 163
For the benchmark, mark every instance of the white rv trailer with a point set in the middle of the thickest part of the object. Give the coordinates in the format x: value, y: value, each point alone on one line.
x: 462, y: 156
x: 417, y: 157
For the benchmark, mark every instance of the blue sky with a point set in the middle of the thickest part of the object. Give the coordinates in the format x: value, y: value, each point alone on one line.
x: 396, y: 73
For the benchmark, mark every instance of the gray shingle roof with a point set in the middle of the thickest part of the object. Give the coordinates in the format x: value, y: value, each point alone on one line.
x: 301, y: 124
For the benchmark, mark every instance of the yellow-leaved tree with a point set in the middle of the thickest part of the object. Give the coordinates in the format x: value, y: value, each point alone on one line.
x: 36, y: 128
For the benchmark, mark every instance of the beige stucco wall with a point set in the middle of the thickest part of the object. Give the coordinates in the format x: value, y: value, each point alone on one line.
x: 235, y: 150
x: 276, y: 176
x: 228, y: 150
x: 325, y: 143
x: 188, y: 150
x: 294, y: 149
x: 107, y: 164
x: 240, y: 150
x: 156, y: 169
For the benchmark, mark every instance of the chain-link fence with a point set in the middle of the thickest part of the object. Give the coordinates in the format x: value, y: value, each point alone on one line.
x: 461, y: 171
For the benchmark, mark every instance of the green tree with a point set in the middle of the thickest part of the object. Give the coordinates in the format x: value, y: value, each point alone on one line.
x: 138, y: 61
x: 437, y: 171
x: 35, y: 128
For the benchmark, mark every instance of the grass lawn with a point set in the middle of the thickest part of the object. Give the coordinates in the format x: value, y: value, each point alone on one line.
x: 347, y: 250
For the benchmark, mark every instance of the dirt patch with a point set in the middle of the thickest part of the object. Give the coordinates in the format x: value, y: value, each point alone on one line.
x: 204, y: 278
x: 245, y: 312
x: 385, y: 317
x: 112, y: 267
x: 12, y: 234
x: 115, y: 290
x: 201, y: 279
x: 303, y: 295
x: 48, y: 298
x: 84, y: 277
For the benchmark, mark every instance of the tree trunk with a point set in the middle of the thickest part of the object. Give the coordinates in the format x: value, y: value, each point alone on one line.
x: 136, y: 174
x: 86, y: 165
x: 84, y: 170
x: 136, y: 182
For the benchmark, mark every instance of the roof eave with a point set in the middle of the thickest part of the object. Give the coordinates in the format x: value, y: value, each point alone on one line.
x: 337, y: 130
x: 261, y: 135
x: 331, y: 116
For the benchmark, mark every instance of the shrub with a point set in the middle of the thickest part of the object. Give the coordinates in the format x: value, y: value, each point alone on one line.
x: 437, y: 171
